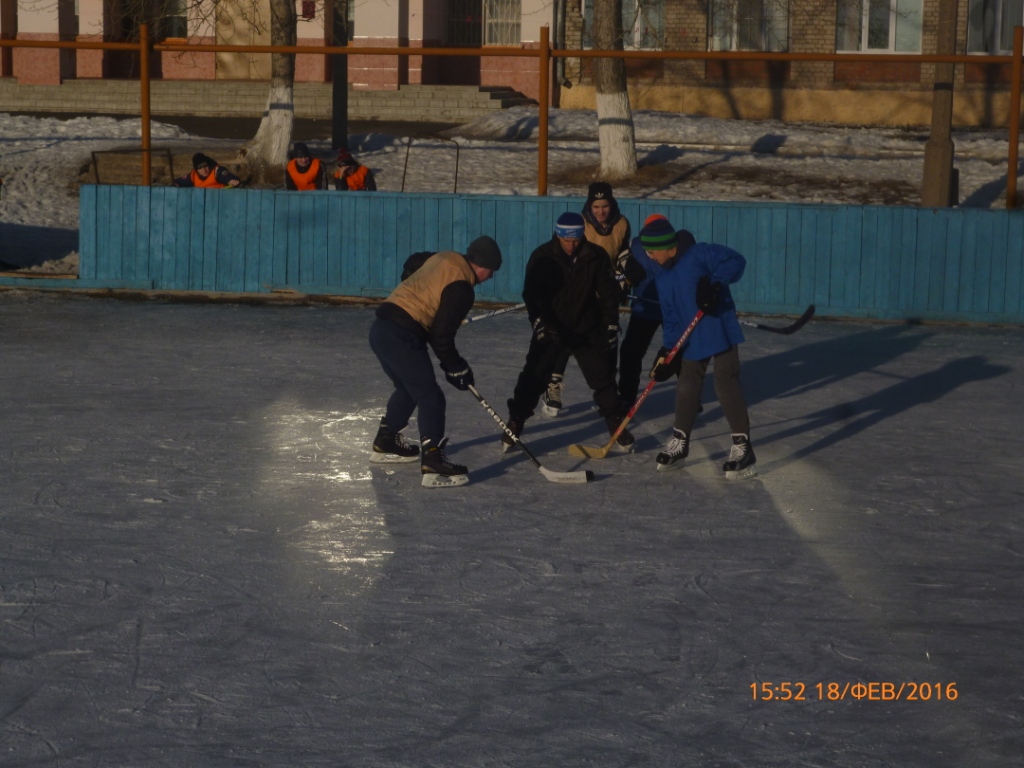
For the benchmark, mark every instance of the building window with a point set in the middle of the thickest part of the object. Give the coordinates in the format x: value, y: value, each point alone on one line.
x: 174, y: 22
x: 643, y: 24
x: 749, y: 25
x: 884, y: 26
x: 472, y: 23
x: 990, y: 25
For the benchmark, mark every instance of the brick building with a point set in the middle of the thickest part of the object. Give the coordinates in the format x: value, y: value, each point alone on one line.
x: 847, y: 92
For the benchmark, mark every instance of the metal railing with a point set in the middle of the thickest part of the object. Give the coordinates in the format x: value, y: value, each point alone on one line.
x: 544, y: 55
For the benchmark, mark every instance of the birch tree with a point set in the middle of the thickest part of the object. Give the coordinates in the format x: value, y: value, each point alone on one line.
x: 616, y: 136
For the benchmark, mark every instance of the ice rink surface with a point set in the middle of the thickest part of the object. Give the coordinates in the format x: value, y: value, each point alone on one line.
x: 199, y: 568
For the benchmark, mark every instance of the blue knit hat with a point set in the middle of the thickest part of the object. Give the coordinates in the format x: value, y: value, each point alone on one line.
x: 570, y: 226
x: 658, y: 234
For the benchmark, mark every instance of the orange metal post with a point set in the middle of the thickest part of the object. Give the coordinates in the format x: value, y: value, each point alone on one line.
x: 542, y: 118
x: 1011, y: 165
x: 147, y: 150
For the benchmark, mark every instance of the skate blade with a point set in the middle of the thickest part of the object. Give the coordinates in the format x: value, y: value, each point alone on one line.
x: 434, y: 480
x: 741, y: 474
x: 671, y: 467
x: 621, y: 449
x: 551, y: 413
x: 506, y: 448
x: 392, y: 458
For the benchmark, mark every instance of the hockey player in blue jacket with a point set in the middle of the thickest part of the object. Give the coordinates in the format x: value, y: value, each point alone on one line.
x: 696, y: 276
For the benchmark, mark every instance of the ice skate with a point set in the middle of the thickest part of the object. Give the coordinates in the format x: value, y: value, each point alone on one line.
x: 741, y: 459
x: 390, y: 447
x: 515, y: 426
x: 438, y: 470
x: 624, y: 442
x: 551, y: 400
x: 674, y: 456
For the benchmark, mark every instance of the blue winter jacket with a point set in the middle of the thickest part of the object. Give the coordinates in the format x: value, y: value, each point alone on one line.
x: 644, y: 302
x: 677, y: 289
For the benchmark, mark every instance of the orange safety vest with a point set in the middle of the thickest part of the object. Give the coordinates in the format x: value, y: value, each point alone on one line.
x: 304, y: 180
x: 355, y: 180
x: 210, y: 182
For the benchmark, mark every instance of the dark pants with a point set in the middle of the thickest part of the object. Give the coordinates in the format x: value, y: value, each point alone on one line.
x: 405, y: 359
x: 727, y: 387
x: 635, y: 344
x: 541, y: 359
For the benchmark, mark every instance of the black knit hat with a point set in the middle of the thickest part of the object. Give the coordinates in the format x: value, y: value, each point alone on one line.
x: 300, y: 150
x: 599, y: 190
x: 199, y: 160
x: 484, y: 252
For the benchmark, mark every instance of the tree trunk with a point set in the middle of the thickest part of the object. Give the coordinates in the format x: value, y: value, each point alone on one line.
x: 267, y: 153
x: 614, y: 116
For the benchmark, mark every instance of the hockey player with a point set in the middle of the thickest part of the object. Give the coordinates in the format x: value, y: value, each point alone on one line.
x: 697, y: 276
x: 573, y: 303
x: 604, y: 226
x: 427, y: 308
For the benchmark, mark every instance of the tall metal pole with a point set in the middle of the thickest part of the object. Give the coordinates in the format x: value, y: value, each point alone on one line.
x: 147, y: 149
x: 1011, y: 166
x: 938, y: 187
x: 339, y: 79
x: 542, y: 120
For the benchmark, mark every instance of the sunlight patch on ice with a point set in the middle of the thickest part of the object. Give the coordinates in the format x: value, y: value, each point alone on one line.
x: 313, y: 446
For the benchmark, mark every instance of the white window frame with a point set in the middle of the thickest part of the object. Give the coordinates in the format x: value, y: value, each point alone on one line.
x: 643, y: 24
x: 500, y: 23
x: 990, y: 25
x: 725, y: 22
x: 904, y: 18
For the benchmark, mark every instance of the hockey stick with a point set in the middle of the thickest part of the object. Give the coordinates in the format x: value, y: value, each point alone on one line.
x: 493, y: 313
x: 591, y: 452
x: 793, y: 327
x: 582, y: 476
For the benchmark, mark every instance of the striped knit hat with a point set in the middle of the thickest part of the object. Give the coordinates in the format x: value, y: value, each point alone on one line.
x: 658, y: 234
x: 570, y: 226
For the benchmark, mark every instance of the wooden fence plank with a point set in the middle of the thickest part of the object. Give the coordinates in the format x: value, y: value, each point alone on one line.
x: 851, y: 261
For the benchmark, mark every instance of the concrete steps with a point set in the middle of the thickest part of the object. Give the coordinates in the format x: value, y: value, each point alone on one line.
x: 227, y: 98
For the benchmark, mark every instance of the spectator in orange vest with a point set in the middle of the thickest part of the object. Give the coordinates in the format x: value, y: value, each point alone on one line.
x: 350, y: 175
x: 304, y: 172
x: 206, y: 173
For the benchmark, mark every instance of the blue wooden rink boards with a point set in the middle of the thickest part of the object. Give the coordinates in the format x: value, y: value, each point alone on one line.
x: 893, y: 263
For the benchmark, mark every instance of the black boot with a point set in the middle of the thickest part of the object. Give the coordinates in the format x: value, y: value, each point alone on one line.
x: 741, y: 459
x: 438, y: 470
x: 390, y: 447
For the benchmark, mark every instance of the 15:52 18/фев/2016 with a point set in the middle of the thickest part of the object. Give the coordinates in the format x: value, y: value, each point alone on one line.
x: 860, y: 691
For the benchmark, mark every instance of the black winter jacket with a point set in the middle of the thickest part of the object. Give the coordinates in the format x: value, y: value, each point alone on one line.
x: 576, y: 296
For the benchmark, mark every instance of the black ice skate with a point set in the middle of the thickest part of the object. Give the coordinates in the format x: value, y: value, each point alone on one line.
x: 515, y: 426
x: 551, y: 400
x: 674, y: 456
x: 741, y: 459
x: 624, y: 442
x: 438, y: 470
x: 390, y: 447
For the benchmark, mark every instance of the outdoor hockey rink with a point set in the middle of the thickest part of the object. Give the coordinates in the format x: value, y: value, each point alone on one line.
x: 200, y: 569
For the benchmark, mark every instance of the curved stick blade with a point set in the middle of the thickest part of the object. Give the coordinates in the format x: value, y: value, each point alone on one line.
x: 589, y: 451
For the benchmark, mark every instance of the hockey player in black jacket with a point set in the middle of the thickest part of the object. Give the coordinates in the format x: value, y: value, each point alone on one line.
x: 573, y: 303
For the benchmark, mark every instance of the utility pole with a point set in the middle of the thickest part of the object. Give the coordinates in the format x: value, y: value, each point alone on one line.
x: 940, y: 187
x: 339, y: 78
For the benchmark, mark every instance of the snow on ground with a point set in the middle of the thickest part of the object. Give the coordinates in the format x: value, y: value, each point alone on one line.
x: 683, y: 157
x: 199, y: 567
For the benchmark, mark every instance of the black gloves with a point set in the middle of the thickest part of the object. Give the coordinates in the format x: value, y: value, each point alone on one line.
x: 707, y: 294
x: 663, y: 371
x: 628, y: 269
x: 462, y: 377
x: 613, y: 336
x: 544, y: 334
